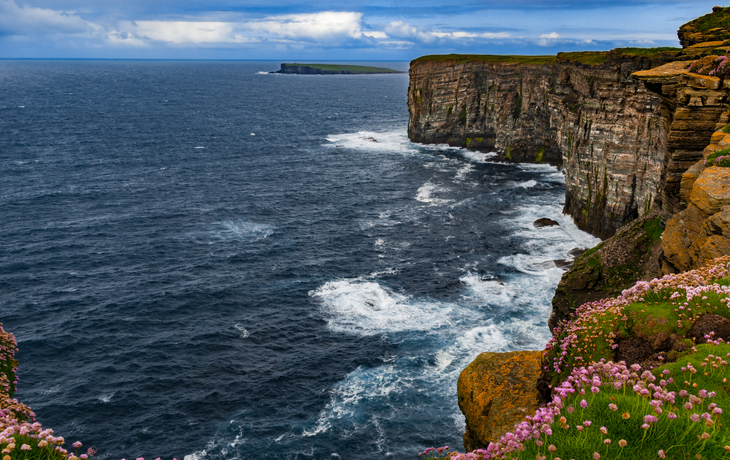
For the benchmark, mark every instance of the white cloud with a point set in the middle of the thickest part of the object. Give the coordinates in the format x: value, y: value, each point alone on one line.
x: 28, y: 20
x: 548, y: 39
x: 375, y: 34
x: 176, y: 32
x: 403, y: 30
x: 459, y: 34
x: 328, y: 24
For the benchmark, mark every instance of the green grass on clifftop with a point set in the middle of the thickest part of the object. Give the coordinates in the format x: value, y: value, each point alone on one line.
x: 508, y: 59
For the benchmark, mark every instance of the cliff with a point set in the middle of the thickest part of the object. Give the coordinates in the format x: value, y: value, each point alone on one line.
x: 583, y: 111
x: 644, y: 141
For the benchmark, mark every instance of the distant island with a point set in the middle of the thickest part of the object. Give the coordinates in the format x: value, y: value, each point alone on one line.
x: 332, y: 69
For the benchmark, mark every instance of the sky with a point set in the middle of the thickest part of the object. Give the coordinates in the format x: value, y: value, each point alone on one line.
x: 344, y: 30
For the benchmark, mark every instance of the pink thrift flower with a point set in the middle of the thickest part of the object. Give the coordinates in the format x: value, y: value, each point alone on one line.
x: 661, y: 454
x: 596, y: 455
x: 583, y: 403
x: 77, y: 444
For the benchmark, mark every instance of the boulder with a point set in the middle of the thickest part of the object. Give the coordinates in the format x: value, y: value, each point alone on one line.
x: 545, y: 222
x: 711, y: 190
x: 496, y: 391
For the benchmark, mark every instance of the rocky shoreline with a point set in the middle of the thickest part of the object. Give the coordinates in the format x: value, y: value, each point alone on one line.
x: 632, y: 131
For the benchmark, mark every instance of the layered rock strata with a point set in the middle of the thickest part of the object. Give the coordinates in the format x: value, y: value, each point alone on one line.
x: 694, y: 107
x: 582, y: 111
x: 700, y: 232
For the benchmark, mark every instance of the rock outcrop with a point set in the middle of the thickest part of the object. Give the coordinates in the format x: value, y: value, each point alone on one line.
x: 609, y: 268
x: 632, y: 135
x: 583, y: 111
x: 496, y: 391
x: 712, y: 27
x: 700, y: 232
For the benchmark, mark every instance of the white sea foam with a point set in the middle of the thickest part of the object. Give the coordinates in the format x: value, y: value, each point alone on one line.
x: 237, y: 230
x: 242, y: 330
x: 365, y: 308
x: 107, y: 397
x: 426, y: 191
x: 477, y: 157
x: 527, y: 184
x: 198, y: 147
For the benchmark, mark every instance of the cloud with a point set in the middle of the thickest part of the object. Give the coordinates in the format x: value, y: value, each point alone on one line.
x: 400, y: 29
x: 316, y: 26
x: 27, y: 20
x: 375, y: 34
x: 137, y: 33
x: 329, y: 25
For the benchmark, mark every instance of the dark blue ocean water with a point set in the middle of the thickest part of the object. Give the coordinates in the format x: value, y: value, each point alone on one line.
x: 200, y: 260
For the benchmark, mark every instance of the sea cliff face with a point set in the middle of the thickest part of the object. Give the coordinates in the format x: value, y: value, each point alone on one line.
x: 583, y: 111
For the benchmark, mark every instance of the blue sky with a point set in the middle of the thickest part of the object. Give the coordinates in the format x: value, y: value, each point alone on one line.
x: 332, y: 30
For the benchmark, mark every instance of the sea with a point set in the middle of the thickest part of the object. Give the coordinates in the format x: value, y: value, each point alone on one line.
x: 204, y: 260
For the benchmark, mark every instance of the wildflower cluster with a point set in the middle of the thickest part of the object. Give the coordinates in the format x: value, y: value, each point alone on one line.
x: 719, y: 158
x: 714, y: 66
x: 671, y: 304
x: 606, y: 410
x: 21, y: 437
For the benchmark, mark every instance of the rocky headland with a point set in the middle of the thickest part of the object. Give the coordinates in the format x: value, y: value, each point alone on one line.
x: 640, y: 138
x: 332, y: 69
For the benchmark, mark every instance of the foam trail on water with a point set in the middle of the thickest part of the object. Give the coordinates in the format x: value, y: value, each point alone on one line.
x: 425, y: 192
x: 364, y: 307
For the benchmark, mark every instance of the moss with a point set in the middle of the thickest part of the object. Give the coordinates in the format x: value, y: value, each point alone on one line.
x: 479, y: 139
x: 508, y: 153
x: 468, y: 141
x: 462, y: 116
x: 508, y: 59
x: 448, y: 112
x: 726, y: 129
x: 653, y: 229
x: 712, y: 21
x: 538, y: 155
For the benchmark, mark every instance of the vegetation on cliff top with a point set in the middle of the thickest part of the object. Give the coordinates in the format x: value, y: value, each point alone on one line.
x: 582, y: 57
x: 508, y: 59
x: 673, y: 411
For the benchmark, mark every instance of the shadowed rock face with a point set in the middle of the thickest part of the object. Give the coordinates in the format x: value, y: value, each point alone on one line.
x: 603, y: 126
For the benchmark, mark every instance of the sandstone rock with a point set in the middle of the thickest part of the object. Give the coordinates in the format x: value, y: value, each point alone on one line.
x: 496, y: 391
x: 680, y: 233
x: 711, y: 190
x: 689, y: 178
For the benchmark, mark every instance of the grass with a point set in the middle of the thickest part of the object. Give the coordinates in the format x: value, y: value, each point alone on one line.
x: 719, y: 158
x: 585, y: 57
x: 606, y: 410
x: 509, y: 59
x: 347, y: 68
x: 712, y: 21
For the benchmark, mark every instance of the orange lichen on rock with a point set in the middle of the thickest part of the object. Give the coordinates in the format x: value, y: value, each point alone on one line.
x: 496, y: 391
